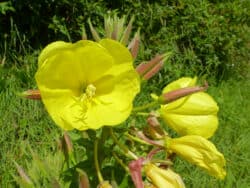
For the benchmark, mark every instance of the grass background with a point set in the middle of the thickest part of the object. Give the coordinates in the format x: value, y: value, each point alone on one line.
x: 209, y: 39
x: 25, y: 123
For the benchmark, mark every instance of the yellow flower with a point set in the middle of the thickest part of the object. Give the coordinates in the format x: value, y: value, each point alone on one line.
x: 162, y: 178
x: 195, y: 114
x: 199, y: 151
x: 87, y: 85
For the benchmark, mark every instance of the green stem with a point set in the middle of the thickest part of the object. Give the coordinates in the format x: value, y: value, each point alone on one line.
x: 145, y: 106
x: 99, y: 174
x: 123, y: 147
x: 136, y: 139
x: 141, y: 114
x: 120, y: 162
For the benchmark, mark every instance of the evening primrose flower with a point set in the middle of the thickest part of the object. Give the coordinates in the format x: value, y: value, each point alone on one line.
x: 199, y: 151
x: 195, y: 114
x: 87, y: 85
x: 162, y: 178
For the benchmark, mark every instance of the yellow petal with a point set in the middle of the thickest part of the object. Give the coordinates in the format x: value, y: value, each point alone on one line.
x: 59, y: 105
x: 203, y: 125
x: 163, y: 178
x: 127, y: 84
x: 117, y: 50
x: 196, y: 104
x: 85, y: 85
x: 114, y: 107
x: 201, y: 152
x: 56, y: 47
x: 180, y: 83
x: 70, y: 67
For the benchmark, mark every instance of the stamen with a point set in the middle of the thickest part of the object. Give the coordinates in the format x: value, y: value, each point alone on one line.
x: 90, y: 91
x: 85, y: 100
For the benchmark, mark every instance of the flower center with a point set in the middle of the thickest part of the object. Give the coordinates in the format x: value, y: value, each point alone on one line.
x: 90, y: 91
x: 87, y: 96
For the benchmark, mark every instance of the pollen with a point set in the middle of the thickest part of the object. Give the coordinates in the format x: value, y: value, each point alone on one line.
x: 90, y: 91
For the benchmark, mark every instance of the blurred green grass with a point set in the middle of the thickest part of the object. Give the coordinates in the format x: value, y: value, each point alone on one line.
x: 25, y: 123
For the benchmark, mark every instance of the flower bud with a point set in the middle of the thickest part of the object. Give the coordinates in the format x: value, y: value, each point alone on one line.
x: 108, y: 25
x: 143, y: 67
x: 149, y: 185
x: 31, y: 94
x: 127, y: 31
x: 149, y: 69
x: 153, y: 71
x: 134, y: 45
x: 195, y: 114
x: 176, y: 94
x: 199, y: 151
x: 83, y: 179
x: 93, y: 31
x: 162, y: 178
x: 68, y: 142
x: 135, y: 172
x: 84, y: 35
x: 104, y: 184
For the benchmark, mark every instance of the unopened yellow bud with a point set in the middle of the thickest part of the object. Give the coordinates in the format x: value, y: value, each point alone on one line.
x: 195, y: 114
x: 199, y: 151
x: 162, y: 178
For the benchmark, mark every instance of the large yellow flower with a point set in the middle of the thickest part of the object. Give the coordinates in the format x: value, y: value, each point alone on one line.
x: 87, y: 85
x: 195, y: 114
x: 199, y: 151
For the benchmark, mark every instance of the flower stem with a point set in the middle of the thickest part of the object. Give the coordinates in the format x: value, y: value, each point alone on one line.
x: 122, y: 146
x: 99, y: 174
x: 120, y: 162
x: 142, y: 114
x: 136, y: 139
x: 145, y: 106
x: 158, y: 143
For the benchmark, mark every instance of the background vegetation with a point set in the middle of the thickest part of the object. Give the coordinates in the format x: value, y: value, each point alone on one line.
x: 209, y: 39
